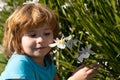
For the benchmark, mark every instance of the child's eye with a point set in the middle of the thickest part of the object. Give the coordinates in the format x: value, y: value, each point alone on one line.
x: 47, y: 34
x: 32, y: 35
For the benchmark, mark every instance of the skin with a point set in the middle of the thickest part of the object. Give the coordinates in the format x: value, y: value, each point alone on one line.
x: 35, y: 43
x: 85, y: 72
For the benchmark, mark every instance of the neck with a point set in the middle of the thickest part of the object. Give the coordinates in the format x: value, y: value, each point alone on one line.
x: 40, y: 61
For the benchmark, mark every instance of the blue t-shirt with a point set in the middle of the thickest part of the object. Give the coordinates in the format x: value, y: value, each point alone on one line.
x: 23, y: 67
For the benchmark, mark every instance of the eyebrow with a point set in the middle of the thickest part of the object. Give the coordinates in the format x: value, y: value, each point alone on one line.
x: 47, y: 29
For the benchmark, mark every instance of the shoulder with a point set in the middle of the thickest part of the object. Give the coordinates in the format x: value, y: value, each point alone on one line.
x: 18, y: 66
x: 19, y: 61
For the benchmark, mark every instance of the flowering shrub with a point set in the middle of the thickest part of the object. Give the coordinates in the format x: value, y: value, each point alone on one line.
x: 69, y: 44
x: 69, y: 54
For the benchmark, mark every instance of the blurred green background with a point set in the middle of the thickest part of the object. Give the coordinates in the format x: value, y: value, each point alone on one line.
x: 95, y: 22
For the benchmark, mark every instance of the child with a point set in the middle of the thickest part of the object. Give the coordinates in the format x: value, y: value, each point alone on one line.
x: 28, y: 32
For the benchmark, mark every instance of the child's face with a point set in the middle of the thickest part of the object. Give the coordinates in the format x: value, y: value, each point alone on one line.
x: 35, y: 42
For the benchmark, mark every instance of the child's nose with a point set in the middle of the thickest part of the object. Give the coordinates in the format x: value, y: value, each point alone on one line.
x: 40, y: 39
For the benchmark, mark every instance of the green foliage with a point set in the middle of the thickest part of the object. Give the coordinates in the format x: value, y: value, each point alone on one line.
x: 3, y: 61
x: 101, y: 19
x: 10, y: 6
x: 95, y: 22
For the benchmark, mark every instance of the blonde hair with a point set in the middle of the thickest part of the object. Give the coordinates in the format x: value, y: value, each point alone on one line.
x: 26, y: 17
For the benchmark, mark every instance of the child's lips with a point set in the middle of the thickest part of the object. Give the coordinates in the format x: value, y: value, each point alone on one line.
x: 41, y: 47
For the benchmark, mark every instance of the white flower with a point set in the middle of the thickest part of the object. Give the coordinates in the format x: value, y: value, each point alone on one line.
x: 60, y: 43
x: 2, y: 4
x: 72, y: 42
x: 86, y: 8
x: 85, y: 53
x: 65, y: 5
x: 87, y: 50
x: 68, y: 38
x: 29, y: 1
x: 35, y: 1
x: 80, y: 58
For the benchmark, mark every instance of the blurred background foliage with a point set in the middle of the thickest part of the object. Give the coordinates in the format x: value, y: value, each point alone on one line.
x: 95, y: 22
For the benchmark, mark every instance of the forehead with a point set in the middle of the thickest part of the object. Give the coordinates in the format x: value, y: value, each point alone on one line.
x: 39, y: 27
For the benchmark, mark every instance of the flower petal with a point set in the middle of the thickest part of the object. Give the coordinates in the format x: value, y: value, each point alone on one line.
x: 52, y: 45
x: 75, y: 41
x: 69, y: 37
x: 89, y: 47
x: 61, y: 46
x: 69, y: 44
x: 80, y: 58
x: 86, y: 55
